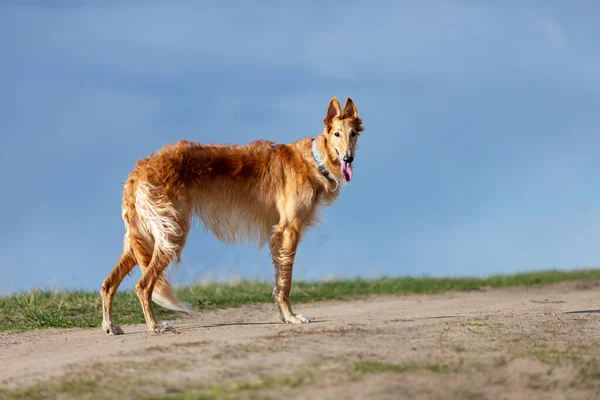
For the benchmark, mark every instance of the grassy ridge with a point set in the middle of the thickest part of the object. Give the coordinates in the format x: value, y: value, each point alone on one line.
x: 83, y: 309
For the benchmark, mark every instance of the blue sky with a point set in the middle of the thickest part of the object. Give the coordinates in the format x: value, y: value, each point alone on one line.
x: 479, y: 154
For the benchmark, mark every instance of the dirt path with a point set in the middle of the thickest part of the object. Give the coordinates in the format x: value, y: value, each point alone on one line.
x: 498, y: 344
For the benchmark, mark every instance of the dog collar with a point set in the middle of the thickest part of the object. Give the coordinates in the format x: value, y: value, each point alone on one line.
x: 321, y: 165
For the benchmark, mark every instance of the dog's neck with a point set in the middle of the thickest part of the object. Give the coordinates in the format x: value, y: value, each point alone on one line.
x: 320, y: 162
x: 325, y: 163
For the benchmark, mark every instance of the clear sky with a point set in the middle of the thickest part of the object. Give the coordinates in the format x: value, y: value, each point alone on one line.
x: 480, y: 153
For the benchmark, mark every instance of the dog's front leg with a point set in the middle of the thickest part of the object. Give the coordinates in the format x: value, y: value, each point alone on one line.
x: 283, y: 249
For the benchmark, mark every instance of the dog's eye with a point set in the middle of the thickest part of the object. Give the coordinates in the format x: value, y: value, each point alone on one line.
x: 353, y: 134
x: 337, y: 134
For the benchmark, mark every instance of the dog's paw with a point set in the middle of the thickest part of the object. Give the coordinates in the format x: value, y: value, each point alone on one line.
x: 112, y: 329
x: 297, y: 319
x: 162, y: 327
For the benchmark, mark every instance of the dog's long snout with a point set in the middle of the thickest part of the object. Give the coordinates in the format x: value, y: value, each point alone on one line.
x: 348, y: 158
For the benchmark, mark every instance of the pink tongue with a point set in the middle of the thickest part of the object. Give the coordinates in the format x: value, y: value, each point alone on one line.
x: 347, y: 171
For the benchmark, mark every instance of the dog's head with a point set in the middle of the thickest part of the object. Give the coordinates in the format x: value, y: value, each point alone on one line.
x: 342, y: 128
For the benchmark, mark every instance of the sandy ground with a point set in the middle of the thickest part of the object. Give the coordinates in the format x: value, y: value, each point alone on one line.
x: 516, y: 343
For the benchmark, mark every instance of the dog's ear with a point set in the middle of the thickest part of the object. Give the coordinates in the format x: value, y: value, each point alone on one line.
x: 334, y: 110
x: 350, y: 109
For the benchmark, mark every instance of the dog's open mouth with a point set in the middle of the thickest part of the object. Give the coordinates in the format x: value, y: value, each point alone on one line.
x: 346, y: 170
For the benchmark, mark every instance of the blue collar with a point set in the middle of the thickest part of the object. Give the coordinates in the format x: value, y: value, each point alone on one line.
x: 321, y: 165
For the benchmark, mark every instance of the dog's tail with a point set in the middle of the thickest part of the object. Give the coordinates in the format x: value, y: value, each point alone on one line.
x: 164, y: 296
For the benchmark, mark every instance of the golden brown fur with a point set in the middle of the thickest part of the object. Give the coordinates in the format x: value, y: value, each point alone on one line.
x: 262, y: 192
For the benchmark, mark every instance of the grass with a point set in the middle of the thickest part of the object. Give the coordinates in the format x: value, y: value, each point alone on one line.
x: 109, y: 385
x: 80, y: 389
x: 299, y: 378
x: 370, y: 367
x: 39, y: 309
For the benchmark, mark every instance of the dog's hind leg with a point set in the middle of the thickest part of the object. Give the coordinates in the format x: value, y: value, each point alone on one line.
x: 163, y: 222
x: 110, y: 286
x: 284, y: 243
x: 160, y: 260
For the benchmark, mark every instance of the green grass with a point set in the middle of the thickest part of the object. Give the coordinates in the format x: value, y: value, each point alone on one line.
x: 69, y: 389
x: 296, y: 379
x: 111, y: 385
x: 39, y: 309
x: 370, y: 367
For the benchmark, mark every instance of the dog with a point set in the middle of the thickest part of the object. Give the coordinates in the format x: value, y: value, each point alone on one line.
x: 262, y: 191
